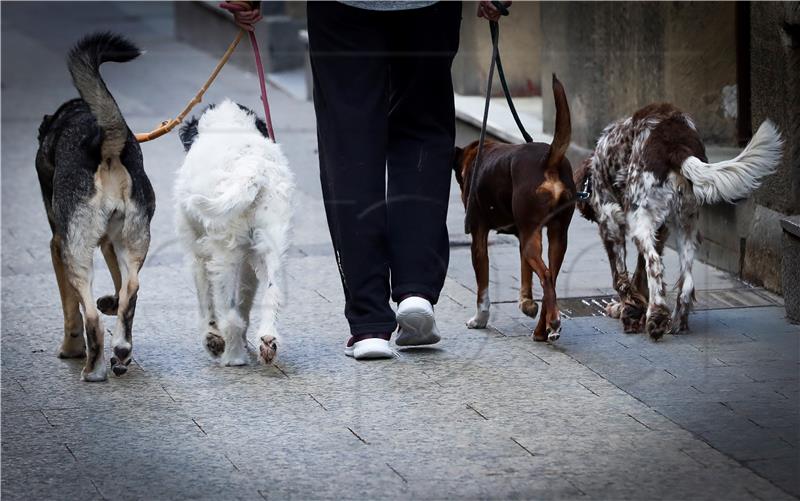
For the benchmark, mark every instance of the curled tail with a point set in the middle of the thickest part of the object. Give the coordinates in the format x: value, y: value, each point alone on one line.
x: 731, y: 180
x: 84, y: 62
x: 238, y: 195
x: 563, y: 133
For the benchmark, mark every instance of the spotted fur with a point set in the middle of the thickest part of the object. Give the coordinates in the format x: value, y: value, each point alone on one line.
x: 649, y: 172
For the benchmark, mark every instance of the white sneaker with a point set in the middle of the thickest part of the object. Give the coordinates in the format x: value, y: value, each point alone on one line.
x: 369, y: 348
x: 417, y: 324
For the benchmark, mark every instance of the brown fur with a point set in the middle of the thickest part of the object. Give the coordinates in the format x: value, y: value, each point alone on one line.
x: 671, y: 143
x: 521, y: 189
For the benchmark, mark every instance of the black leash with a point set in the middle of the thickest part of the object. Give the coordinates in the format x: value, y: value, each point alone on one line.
x: 494, y: 30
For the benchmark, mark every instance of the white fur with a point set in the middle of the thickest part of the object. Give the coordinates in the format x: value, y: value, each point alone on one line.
x: 233, y: 194
x: 628, y: 199
x: 731, y: 180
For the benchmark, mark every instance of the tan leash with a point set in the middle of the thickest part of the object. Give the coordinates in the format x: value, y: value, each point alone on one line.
x: 168, y: 125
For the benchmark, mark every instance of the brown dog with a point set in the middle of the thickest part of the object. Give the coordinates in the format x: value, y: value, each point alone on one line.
x: 520, y: 189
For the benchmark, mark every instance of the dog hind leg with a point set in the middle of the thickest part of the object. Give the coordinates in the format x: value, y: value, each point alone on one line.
x: 79, y: 273
x: 645, y: 235
x: 130, y: 257
x: 224, y: 277
x: 688, y: 240
x: 556, y: 249
x: 73, y: 346
x: 268, y: 265
x: 248, y: 286
x: 526, y: 303
x: 630, y: 307
x: 209, y: 326
x: 108, y: 304
x: 532, y: 252
x: 480, y: 263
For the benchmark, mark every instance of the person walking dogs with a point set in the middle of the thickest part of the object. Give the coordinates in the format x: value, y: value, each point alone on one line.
x: 383, y: 96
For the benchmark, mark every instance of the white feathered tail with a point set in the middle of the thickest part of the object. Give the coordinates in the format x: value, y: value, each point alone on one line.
x: 731, y: 180
x: 237, y: 196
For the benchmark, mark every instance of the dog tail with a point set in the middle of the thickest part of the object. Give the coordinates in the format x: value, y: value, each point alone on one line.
x: 84, y: 62
x: 562, y: 136
x: 731, y: 180
x: 235, y: 199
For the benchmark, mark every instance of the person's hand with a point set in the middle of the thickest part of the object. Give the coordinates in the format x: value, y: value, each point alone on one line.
x: 245, y: 14
x: 488, y: 11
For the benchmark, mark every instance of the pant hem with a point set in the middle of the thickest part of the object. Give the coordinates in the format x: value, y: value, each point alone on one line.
x: 421, y: 289
x: 375, y: 328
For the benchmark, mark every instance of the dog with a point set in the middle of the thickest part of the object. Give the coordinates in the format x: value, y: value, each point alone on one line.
x: 96, y: 193
x: 520, y: 189
x: 649, y: 172
x: 234, y: 210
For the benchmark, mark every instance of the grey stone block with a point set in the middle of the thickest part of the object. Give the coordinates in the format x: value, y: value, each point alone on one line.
x: 790, y: 267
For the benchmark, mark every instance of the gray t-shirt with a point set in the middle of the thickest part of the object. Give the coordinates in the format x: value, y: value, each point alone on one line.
x: 388, y: 4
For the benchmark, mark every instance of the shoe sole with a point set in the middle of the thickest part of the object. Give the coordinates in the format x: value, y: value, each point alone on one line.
x: 416, y: 326
x: 369, y: 349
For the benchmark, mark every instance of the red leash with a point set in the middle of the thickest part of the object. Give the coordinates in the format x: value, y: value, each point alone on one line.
x: 239, y: 6
x: 264, y: 100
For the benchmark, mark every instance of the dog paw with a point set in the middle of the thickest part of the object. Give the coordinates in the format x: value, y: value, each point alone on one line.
x: 529, y: 307
x: 554, y: 330
x: 479, y: 321
x: 73, y: 346
x: 679, y: 325
x: 215, y: 344
x: 121, y: 359
x: 614, y: 309
x: 96, y: 375
x: 633, y: 317
x: 237, y: 360
x: 108, y: 304
x: 267, y: 349
x: 658, y: 323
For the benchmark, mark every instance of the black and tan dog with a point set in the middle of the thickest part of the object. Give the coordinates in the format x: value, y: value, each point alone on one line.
x: 96, y: 193
x: 521, y: 189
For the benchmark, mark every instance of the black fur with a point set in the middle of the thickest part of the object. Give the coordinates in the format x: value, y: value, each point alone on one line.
x: 102, y: 47
x: 188, y: 131
x: 70, y: 141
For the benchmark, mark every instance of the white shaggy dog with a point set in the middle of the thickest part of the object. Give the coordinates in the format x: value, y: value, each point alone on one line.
x: 233, y: 195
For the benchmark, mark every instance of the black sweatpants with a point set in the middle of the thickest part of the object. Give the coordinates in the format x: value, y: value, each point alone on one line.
x: 383, y: 96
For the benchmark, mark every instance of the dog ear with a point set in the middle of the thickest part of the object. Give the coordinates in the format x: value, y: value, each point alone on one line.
x: 585, y: 208
x: 262, y: 127
x: 458, y: 155
x: 188, y: 133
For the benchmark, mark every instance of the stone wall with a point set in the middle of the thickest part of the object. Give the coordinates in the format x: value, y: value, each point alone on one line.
x: 520, y: 45
x: 775, y: 82
x: 615, y: 57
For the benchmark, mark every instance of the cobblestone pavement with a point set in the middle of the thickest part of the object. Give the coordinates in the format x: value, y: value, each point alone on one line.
x: 487, y: 413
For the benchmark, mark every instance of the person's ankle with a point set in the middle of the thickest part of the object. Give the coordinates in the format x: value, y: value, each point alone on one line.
x: 414, y: 294
x: 360, y: 337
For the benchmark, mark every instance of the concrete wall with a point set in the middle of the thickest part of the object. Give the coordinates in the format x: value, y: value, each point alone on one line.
x: 615, y: 57
x: 520, y: 45
x: 206, y: 26
x: 775, y: 82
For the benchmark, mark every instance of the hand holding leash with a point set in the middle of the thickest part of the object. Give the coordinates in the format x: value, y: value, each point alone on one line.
x: 492, y: 10
x: 245, y: 14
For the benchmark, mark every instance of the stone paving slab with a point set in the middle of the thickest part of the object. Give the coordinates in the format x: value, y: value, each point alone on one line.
x: 485, y: 414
